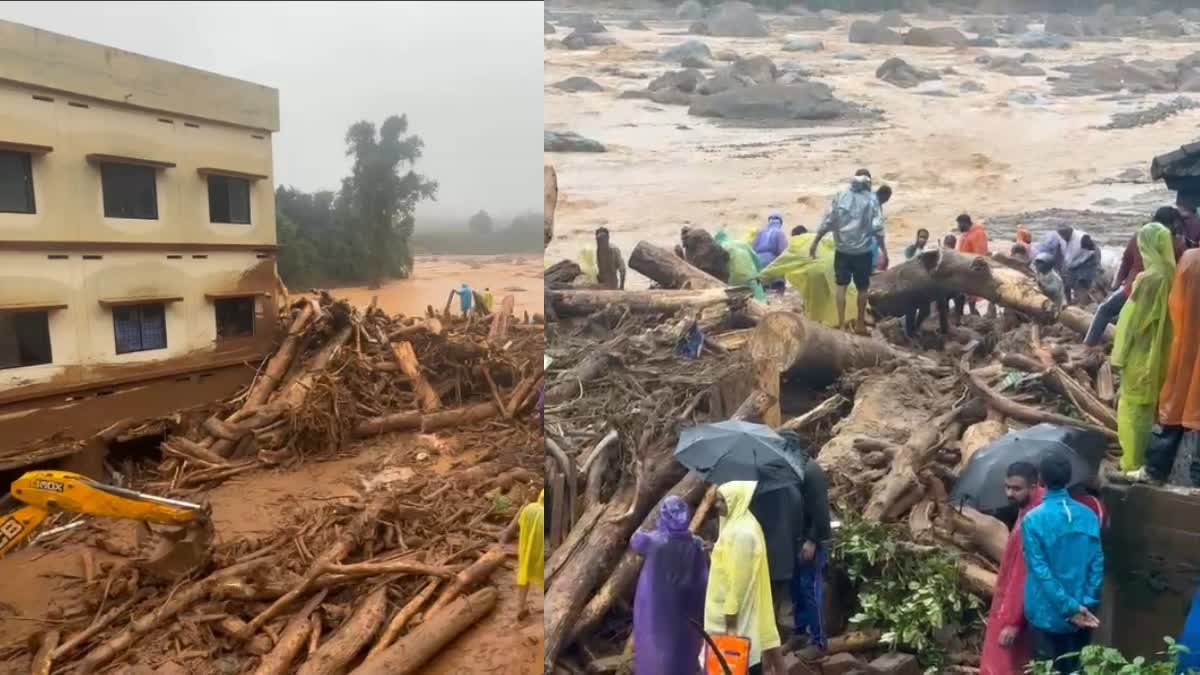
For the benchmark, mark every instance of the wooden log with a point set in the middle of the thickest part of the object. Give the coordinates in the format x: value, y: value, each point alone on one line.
x: 569, y: 384
x: 978, y: 436
x: 939, y: 272
x: 910, y: 459
x: 402, y: 617
x: 216, y: 428
x: 479, y: 572
x: 791, y: 344
x: 822, y: 410
x: 1080, y: 320
x: 370, y: 569
x: 43, y: 659
x: 425, y: 422
x: 179, y: 601
x: 669, y: 270
x: 291, y: 641
x: 1105, y: 386
x: 1024, y: 413
x: 1082, y: 397
x: 354, y: 634
x: 414, y: 650
x: 500, y: 322
x: 988, y: 534
x: 854, y: 641
x: 977, y: 579
x: 406, y: 358
x: 281, y: 361
x: 550, y: 201
x: 426, y: 326
x: 584, y: 302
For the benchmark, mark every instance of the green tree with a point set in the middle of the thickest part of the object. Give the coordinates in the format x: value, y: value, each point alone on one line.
x: 378, y: 198
x: 481, y: 223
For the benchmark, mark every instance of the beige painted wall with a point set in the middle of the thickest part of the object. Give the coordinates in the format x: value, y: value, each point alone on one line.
x: 67, y: 64
x: 67, y: 190
x: 81, y: 336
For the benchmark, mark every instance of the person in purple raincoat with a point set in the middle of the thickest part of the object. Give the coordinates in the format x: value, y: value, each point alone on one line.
x: 670, y: 594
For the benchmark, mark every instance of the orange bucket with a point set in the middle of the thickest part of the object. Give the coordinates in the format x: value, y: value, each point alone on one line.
x: 736, y: 651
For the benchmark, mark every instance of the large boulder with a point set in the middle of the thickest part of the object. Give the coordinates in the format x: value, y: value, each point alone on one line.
x: 736, y: 19
x: 981, y: 25
x: 569, y: 141
x: 941, y: 36
x: 1166, y: 24
x: 1040, y: 40
x: 893, y: 19
x: 723, y: 80
x: 870, y: 33
x: 1008, y: 65
x: 689, y: 10
x: 578, y: 83
x: 803, y: 44
x: 679, y: 80
x: 773, y: 103
x: 699, y: 28
x: 1187, y: 73
x: 760, y: 69
x: 899, y: 72
x: 693, y: 48
x: 584, y: 23
x: 577, y: 40
x: 1111, y: 74
x: 1063, y: 24
x: 636, y: 25
x: 1014, y: 24
x: 813, y: 22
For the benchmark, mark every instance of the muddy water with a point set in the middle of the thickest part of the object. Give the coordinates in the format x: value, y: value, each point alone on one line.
x: 973, y: 152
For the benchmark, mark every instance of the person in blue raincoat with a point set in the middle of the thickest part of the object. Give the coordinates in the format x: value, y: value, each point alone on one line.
x: 1065, y: 564
x: 466, y: 298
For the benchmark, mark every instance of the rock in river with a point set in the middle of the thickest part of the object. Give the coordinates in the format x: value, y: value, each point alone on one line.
x: 578, y: 83
x: 870, y: 33
x: 902, y: 74
x: 772, y: 103
x: 941, y: 36
x: 689, y: 10
x: 736, y: 19
x: 803, y: 44
x: 569, y: 141
x: 693, y: 48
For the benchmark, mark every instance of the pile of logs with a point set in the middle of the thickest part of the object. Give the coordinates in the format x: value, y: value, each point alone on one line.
x: 909, y: 421
x: 341, y: 374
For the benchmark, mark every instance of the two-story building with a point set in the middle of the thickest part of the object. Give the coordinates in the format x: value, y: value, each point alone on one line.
x: 137, y: 237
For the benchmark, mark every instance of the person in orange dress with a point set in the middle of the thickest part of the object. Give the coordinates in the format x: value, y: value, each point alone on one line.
x: 974, y: 241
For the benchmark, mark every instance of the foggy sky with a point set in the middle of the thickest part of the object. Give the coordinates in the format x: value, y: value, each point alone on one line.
x: 467, y: 74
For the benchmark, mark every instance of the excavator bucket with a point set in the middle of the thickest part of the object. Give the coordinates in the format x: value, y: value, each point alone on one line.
x: 171, y: 552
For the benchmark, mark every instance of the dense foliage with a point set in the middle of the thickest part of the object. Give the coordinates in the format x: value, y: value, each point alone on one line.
x: 1098, y: 660
x: 912, y: 595
x: 360, y: 234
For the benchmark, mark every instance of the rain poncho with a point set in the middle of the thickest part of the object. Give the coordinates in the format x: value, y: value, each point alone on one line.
x: 1064, y: 562
x: 854, y: 219
x: 466, y: 298
x: 744, y: 265
x: 670, y: 593
x: 1008, y: 607
x: 1179, y: 400
x: 531, y: 557
x: 813, y: 278
x: 1142, y: 344
x: 771, y: 241
x: 739, y: 583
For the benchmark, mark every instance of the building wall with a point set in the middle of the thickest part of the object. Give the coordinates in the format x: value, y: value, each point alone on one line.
x: 67, y: 190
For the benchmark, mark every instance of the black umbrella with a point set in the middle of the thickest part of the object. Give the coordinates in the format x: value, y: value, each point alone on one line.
x: 733, y: 450
x: 981, y: 484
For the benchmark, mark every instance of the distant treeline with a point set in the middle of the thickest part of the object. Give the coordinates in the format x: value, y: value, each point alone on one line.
x: 523, y: 234
x: 1144, y: 7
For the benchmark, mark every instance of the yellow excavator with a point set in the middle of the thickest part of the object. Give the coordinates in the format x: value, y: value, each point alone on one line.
x: 184, y: 544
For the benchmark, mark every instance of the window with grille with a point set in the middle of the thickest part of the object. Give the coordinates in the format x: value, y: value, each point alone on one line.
x: 130, y: 191
x: 228, y: 200
x: 24, y: 339
x: 140, y: 328
x: 235, y: 317
x: 16, y: 182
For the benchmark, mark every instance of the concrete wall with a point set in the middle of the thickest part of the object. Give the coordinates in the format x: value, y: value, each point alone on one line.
x: 83, y: 68
x: 70, y: 205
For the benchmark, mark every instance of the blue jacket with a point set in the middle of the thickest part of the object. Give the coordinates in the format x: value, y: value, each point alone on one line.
x: 1064, y: 561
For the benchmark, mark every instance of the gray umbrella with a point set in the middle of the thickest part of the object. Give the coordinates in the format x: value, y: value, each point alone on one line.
x: 734, y: 450
x: 981, y: 484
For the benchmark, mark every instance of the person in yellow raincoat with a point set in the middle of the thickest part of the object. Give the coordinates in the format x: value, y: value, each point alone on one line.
x: 743, y: 264
x: 738, y: 601
x: 813, y: 278
x: 531, y: 557
x: 1142, y: 344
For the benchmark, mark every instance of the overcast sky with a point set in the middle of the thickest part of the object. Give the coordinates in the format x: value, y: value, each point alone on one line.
x: 467, y: 74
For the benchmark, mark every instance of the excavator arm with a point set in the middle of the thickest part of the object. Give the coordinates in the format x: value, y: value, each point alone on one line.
x: 46, y: 492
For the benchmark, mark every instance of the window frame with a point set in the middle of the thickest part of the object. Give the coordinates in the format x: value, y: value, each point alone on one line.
x: 45, y: 314
x: 217, y: 302
x: 29, y: 189
x: 228, y: 182
x: 105, y: 166
x: 141, y: 328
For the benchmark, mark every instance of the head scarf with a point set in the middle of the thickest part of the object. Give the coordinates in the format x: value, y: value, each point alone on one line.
x: 775, y: 220
x: 1179, y: 401
x: 1023, y: 236
x: 1144, y: 328
x: 673, y: 516
x: 737, y: 495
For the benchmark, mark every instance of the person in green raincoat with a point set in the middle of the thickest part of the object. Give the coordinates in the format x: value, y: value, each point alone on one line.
x: 743, y: 264
x: 813, y: 278
x: 1143, y: 343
